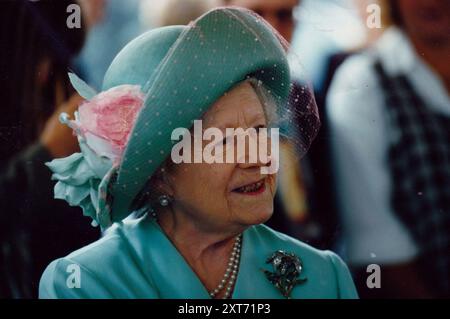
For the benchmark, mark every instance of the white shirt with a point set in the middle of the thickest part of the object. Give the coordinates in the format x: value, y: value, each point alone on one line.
x: 359, y: 128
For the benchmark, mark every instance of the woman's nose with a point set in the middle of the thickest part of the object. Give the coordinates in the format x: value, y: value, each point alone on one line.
x: 258, y: 164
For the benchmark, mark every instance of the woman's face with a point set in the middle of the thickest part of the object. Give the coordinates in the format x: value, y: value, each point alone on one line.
x: 215, y: 194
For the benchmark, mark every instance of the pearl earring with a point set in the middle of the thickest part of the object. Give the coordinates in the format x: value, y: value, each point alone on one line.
x: 164, y: 200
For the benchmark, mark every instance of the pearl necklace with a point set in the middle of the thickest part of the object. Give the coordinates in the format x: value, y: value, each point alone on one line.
x: 231, y: 271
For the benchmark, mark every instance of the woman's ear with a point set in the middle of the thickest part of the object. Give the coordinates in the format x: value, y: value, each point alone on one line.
x: 164, y: 181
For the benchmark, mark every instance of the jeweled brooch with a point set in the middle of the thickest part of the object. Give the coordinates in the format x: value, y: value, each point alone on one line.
x: 287, y: 269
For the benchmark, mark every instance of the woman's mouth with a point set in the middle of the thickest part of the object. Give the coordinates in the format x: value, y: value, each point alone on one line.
x: 252, y: 189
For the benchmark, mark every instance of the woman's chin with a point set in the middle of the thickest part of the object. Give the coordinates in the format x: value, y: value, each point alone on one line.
x: 264, y: 217
x: 253, y: 209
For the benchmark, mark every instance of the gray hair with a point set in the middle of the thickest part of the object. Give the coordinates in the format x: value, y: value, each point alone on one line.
x: 267, y: 100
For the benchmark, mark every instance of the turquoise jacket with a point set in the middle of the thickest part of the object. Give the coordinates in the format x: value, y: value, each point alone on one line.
x: 135, y: 259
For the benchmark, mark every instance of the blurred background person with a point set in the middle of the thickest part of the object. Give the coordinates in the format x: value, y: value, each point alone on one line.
x: 329, y: 28
x: 280, y: 14
x: 154, y: 14
x: 113, y: 24
x: 389, y: 110
x: 37, y: 52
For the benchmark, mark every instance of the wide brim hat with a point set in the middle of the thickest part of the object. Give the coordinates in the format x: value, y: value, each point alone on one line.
x: 182, y: 71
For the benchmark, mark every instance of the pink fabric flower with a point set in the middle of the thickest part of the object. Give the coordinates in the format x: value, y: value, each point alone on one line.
x: 111, y: 115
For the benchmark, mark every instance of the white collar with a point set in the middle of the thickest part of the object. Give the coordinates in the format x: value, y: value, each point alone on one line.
x: 396, y: 52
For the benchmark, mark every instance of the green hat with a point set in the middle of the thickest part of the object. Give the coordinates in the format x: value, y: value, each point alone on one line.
x: 183, y: 70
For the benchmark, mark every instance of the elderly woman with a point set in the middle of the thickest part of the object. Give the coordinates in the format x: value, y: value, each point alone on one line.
x: 195, y: 229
